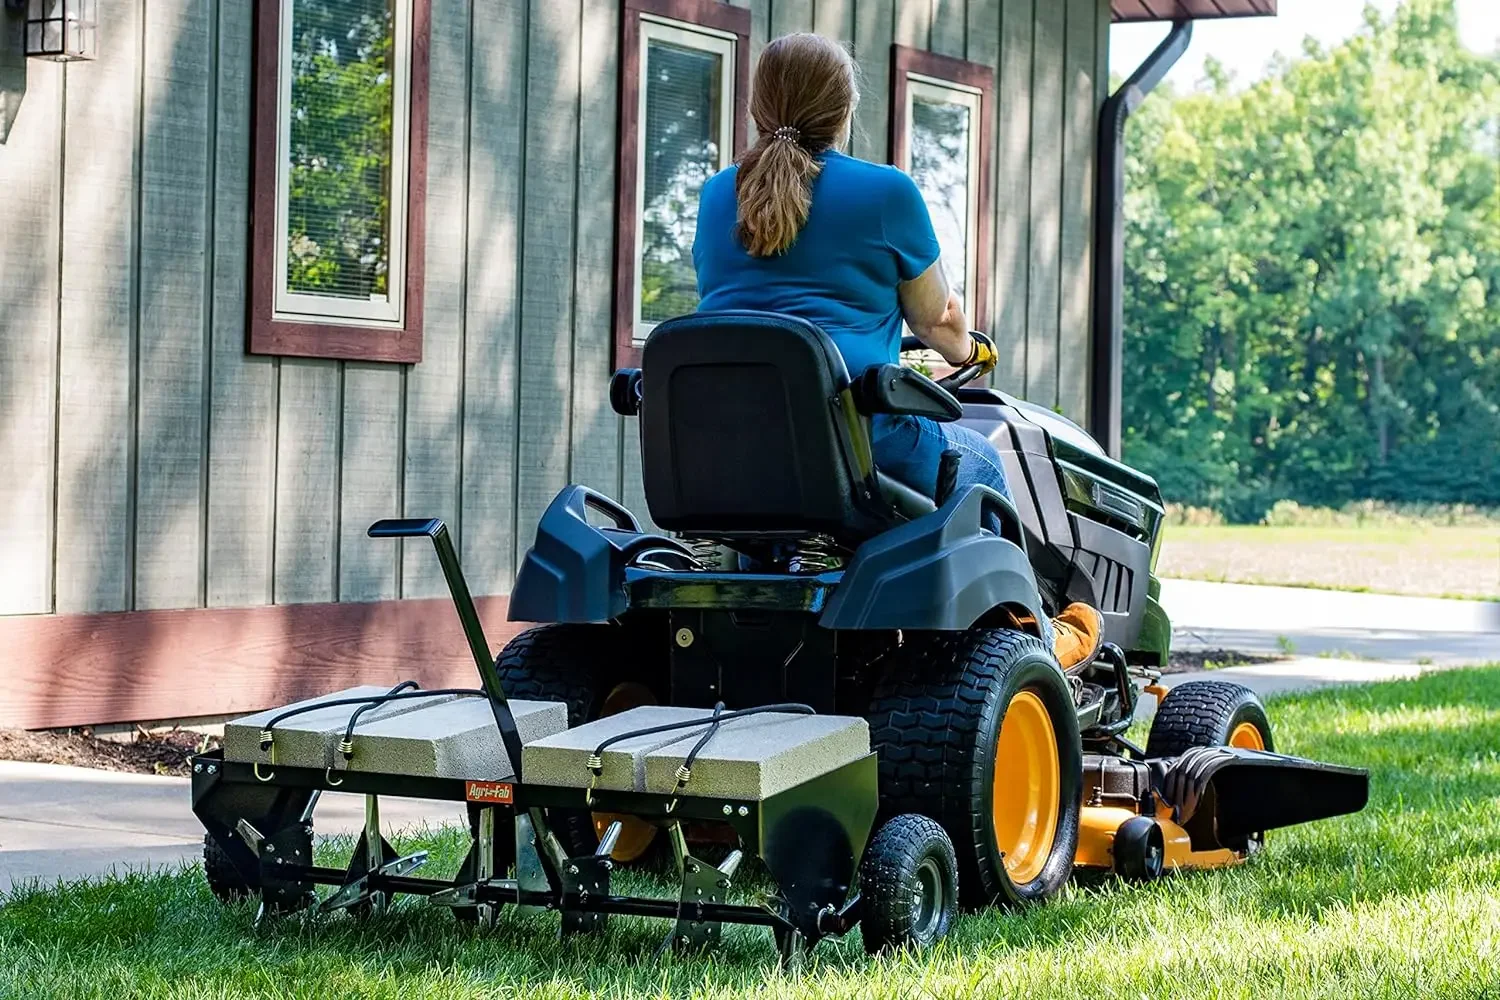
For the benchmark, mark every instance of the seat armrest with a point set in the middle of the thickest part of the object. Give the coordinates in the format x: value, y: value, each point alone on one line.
x: 625, y: 392
x: 897, y: 390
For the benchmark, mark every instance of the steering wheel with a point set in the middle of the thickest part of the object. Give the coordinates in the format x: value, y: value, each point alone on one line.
x: 950, y: 382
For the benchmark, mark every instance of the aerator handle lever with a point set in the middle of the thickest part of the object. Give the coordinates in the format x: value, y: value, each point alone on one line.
x: 468, y: 616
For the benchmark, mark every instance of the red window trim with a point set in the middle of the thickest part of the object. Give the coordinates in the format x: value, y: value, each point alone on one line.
x: 314, y: 339
x: 906, y: 60
x: 705, y: 13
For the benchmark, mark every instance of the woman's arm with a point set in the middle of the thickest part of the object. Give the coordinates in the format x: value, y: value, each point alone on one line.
x: 936, y: 315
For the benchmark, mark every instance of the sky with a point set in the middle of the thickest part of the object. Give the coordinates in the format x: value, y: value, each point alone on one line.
x: 1246, y: 45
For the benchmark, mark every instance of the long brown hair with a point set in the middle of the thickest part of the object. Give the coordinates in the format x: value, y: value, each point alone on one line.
x: 804, y: 95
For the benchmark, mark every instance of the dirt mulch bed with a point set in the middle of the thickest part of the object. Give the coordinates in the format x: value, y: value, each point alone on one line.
x: 1183, y: 660
x: 149, y: 753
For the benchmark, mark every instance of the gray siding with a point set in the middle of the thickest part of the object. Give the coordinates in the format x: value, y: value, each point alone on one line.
x: 153, y: 464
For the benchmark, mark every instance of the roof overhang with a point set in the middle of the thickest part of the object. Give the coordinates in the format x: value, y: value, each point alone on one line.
x: 1178, y: 10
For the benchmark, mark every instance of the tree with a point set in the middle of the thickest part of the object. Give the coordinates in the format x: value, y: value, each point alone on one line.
x: 1313, y: 276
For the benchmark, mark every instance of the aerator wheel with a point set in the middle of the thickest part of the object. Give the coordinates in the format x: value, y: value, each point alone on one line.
x: 978, y: 730
x: 908, y: 882
x: 1208, y: 714
x: 224, y: 879
x: 595, y: 670
x: 229, y: 886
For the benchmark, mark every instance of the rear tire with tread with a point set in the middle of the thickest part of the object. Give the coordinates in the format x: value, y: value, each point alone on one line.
x: 578, y: 665
x: 935, y: 719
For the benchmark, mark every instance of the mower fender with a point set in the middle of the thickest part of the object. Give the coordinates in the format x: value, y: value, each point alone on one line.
x: 939, y: 572
x: 1155, y: 637
x: 575, y: 572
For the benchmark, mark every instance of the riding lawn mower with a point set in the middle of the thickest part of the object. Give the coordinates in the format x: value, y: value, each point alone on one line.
x: 810, y: 662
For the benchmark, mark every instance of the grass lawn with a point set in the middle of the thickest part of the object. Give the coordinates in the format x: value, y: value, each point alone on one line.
x: 1426, y: 560
x: 1400, y: 901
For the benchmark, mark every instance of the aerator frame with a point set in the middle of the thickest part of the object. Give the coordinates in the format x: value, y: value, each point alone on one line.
x: 810, y: 836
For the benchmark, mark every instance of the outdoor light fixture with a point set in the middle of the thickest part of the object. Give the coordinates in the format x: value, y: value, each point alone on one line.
x: 61, y: 30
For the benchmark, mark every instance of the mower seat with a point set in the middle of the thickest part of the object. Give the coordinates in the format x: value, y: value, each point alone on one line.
x: 748, y: 426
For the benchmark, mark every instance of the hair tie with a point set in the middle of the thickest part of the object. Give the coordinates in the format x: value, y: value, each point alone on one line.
x: 788, y: 134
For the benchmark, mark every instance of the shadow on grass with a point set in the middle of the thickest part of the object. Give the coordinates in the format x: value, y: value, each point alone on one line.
x: 1431, y: 745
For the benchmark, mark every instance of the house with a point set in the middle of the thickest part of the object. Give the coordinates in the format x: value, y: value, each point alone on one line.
x: 275, y: 269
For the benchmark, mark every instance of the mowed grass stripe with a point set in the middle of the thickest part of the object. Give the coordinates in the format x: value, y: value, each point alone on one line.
x: 1401, y: 900
x: 1413, y: 559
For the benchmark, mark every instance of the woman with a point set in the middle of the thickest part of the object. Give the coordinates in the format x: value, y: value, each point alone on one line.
x: 797, y: 227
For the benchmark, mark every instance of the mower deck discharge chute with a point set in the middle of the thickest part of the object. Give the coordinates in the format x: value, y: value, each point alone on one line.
x: 898, y: 735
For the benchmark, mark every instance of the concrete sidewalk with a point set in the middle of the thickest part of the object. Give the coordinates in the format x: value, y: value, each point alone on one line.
x: 60, y: 822
x: 1299, y: 621
x: 1240, y: 606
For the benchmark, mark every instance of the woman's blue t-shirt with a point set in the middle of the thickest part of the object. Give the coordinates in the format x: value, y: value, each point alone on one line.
x: 868, y: 229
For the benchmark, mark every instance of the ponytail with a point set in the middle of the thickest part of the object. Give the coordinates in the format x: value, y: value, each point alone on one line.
x: 804, y: 97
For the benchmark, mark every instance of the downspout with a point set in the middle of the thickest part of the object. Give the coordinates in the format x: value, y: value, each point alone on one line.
x: 1109, y: 236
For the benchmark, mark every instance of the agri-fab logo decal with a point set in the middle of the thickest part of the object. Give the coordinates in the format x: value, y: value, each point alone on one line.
x: 489, y: 791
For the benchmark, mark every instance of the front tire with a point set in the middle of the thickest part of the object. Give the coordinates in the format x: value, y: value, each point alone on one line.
x: 978, y: 730
x: 1208, y: 714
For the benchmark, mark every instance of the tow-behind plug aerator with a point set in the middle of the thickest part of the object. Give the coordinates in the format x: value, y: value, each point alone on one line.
x: 818, y: 666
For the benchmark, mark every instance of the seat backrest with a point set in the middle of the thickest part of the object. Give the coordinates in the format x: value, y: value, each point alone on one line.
x: 743, y: 429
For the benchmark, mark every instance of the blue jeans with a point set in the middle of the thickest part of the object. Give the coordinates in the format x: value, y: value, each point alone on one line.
x: 908, y: 449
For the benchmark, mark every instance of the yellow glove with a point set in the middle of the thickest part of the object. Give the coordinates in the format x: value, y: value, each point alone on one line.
x: 982, y: 353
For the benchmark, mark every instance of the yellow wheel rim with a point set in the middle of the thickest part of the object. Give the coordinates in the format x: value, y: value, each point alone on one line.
x: 1247, y: 736
x: 635, y: 833
x: 1025, y: 792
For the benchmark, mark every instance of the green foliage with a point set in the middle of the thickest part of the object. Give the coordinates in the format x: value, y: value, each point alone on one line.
x: 682, y: 152
x: 339, y: 201
x: 1313, y: 277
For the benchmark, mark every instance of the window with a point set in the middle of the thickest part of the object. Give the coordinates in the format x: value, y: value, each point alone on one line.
x: 684, y: 72
x: 340, y: 147
x: 940, y: 134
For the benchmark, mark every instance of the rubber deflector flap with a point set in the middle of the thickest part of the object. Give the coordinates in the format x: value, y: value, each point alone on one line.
x: 1229, y: 792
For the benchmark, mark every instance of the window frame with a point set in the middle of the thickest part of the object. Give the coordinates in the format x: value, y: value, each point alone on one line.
x: 928, y: 70
x: 705, y: 17
x: 299, y: 331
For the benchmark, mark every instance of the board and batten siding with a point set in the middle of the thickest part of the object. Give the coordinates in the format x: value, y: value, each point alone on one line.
x: 148, y: 462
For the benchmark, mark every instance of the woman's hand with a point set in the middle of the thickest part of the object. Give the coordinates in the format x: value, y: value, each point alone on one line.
x: 983, y: 354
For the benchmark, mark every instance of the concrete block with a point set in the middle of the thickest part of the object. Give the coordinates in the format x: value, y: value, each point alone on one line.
x: 312, y: 736
x: 750, y: 758
x: 562, y: 759
x: 760, y: 755
x: 453, y: 740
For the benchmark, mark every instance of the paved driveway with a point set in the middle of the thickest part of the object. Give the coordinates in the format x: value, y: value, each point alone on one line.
x: 1311, y: 622
x: 74, y: 822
